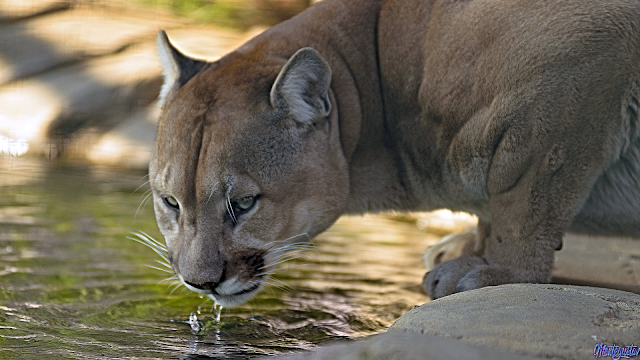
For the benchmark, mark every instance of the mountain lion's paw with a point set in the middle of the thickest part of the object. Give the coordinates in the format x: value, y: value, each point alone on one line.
x: 486, y: 275
x: 443, y: 279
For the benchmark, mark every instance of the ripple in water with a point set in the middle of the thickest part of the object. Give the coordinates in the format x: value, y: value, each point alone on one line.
x: 73, y: 286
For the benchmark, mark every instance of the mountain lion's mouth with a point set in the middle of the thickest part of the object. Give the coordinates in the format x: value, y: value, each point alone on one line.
x: 237, y: 297
x: 250, y: 289
x: 227, y: 299
x: 245, y: 291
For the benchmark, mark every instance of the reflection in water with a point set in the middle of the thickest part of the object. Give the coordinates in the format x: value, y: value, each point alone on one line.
x: 13, y: 147
x: 73, y: 285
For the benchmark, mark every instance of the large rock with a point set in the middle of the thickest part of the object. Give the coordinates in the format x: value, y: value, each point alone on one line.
x: 405, y: 346
x: 549, y: 321
x: 12, y: 10
x: 599, y: 261
x: 89, y: 78
x: 129, y: 144
x: 100, y: 93
x: 42, y: 43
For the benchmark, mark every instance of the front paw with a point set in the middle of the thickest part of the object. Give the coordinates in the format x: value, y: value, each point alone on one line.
x: 443, y: 279
x: 467, y: 272
x: 486, y: 275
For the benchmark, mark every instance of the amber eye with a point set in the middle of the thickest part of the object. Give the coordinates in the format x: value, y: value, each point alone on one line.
x: 244, y: 204
x: 172, y: 203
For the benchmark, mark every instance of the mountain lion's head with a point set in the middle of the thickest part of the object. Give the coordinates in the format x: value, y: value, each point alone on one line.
x: 247, y: 164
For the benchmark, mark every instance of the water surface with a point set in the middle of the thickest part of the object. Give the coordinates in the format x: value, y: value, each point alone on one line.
x: 73, y: 286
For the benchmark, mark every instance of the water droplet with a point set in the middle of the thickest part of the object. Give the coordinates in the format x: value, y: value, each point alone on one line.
x: 194, y: 323
x: 217, y: 311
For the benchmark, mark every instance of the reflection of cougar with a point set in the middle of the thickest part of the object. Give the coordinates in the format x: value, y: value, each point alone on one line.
x: 524, y: 113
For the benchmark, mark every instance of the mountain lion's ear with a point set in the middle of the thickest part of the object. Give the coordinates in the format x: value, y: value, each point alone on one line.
x: 302, y: 87
x: 176, y: 67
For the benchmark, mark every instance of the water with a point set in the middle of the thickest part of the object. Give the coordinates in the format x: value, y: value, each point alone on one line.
x: 72, y: 285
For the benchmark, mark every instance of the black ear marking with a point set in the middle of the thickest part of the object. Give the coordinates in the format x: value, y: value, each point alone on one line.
x: 187, y: 67
x: 177, y: 67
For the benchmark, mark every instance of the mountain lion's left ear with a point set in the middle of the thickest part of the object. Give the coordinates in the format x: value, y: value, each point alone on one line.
x: 302, y: 87
x: 177, y: 68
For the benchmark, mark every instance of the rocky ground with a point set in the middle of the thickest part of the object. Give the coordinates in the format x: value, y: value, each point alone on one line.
x: 82, y: 80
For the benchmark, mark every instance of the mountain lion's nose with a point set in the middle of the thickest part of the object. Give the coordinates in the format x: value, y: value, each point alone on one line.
x: 211, y: 286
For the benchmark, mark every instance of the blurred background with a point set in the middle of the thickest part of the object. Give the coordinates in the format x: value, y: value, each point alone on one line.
x: 78, y: 87
x: 79, y: 78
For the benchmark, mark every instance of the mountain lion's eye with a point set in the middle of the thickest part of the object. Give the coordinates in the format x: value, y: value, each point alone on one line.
x: 244, y: 204
x: 172, y: 203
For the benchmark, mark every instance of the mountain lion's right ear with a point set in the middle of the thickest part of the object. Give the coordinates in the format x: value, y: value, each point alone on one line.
x: 177, y: 68
x: 302, y: 87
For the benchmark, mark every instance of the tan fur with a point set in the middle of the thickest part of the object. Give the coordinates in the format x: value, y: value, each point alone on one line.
x: 524, y: 113
x: 450, y: 247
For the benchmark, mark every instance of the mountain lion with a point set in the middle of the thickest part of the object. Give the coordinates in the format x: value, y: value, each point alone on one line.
x: 524, y: 113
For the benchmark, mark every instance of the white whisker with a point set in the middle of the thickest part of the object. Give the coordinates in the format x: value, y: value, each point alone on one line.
x: 174, y: 282
x: 165, y: 264
x: 206, y: 299
x: 161, y: 250
x: 273, y: 243
x: 272, y: 272
x: 146, y: 193
x: 150, y: 238
x: 213, y: 189
x: 282, y: 260
x: 230, y: 210
x: 143, y: 184
x: 293, y: 247
x: 157, y: 247
x: 281, y: 287
x: 282, y: 268
x: 178, y: 285
x: 285, y: 251
x: 146, y: 198
x: 285, y: 288
x: 174, y: 279
x: 296, y: 249
x: 277, y: 262
x: 159, y: 269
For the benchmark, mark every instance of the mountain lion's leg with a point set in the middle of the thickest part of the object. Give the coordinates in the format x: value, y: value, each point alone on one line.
x: 550, y: 179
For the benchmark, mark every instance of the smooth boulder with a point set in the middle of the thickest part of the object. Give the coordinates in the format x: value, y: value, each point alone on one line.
x: 547, y: 321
